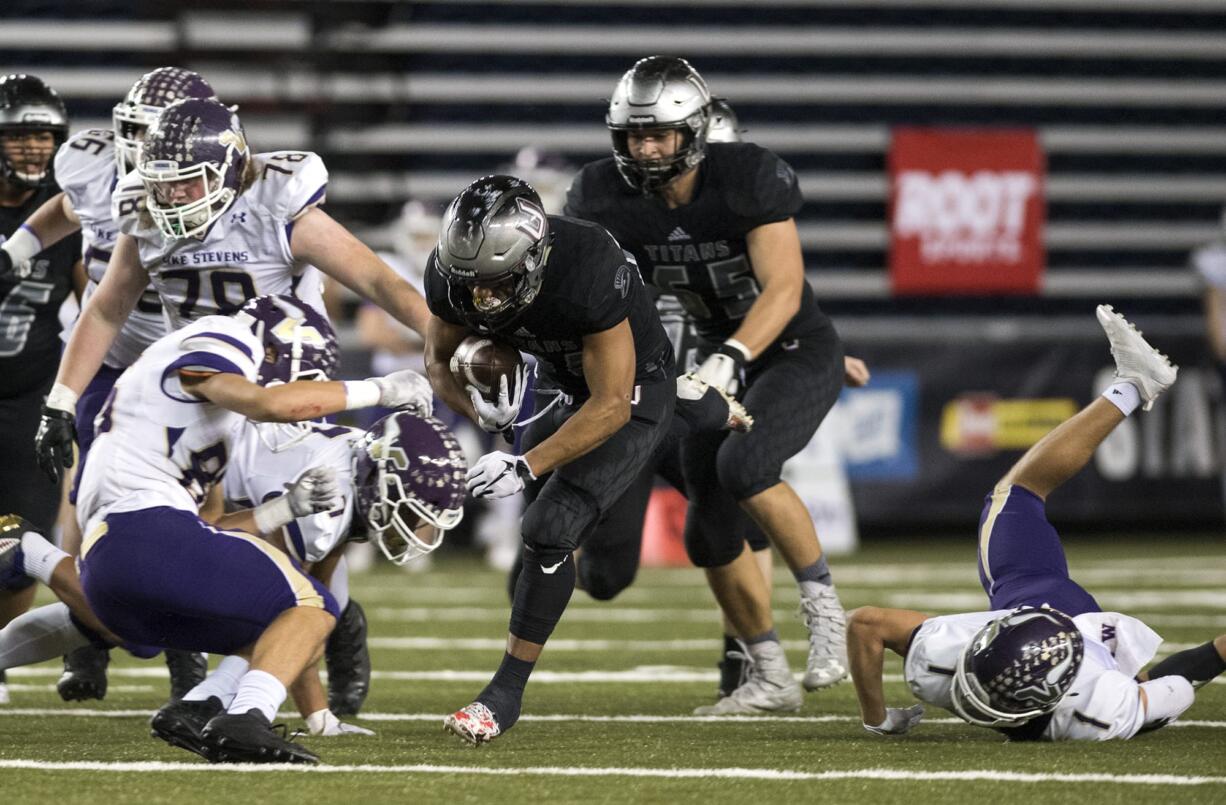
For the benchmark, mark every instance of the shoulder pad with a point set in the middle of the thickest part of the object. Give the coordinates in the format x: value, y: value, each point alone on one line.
x: 594, y: 189
x: 287, y: 183
x: 128, y: 205
x: 85, y: 158
x: 757, y: 184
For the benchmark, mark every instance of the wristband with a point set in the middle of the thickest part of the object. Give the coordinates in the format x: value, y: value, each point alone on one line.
x: 22, y: 245
x: 362, y: 394
x: 62, y: 398
x: 736, y: 350
x: 272, y: 515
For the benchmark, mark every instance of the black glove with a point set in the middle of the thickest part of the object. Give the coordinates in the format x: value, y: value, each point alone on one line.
x: 53, y: 443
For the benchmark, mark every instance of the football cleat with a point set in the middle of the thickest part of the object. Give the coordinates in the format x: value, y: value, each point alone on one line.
x: 251, y: 738
x: 823, y: 616
x: 84, y: 674
x: 769, y: 688
x: 187, y: 670
x: 475, y: 723
x: 179, y: 723
x: 4, y: 689
x: 1136, y: 362
x: 348, y: 660
x: 708, y: 407
x: 733, y: 670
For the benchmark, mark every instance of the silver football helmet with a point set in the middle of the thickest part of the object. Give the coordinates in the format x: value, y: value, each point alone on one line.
x: 492, y: 250
x: 659, y: 92
x: 723, y: 125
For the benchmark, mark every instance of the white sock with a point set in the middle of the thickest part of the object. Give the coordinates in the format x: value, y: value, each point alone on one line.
x: 41, y: 556
x: 1124, y: 396
x: 258, y: 690
x: 40, y: 634
x: 222, y: 683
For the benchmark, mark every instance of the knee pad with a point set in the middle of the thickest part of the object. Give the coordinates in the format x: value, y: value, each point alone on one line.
x: 556, y: 521
x: 744, y: 472
x: 708, y: 547
x: 602, y: 579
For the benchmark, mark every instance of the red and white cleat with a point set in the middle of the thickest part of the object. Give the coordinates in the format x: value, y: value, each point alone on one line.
x: 474, y: 723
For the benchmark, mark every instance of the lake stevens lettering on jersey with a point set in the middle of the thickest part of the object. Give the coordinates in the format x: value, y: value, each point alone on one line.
x: 688, y: 252
x: 206, y: 258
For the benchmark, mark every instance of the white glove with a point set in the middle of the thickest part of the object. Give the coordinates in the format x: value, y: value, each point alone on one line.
x: 498, y: 475
x: 314, y: 491
x: 898, y: 720
x: 405, y: 389
x: 324, y: 724
x: 497, y: 417
x: 722, y: 368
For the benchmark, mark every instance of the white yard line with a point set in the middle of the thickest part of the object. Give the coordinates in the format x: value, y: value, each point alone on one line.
x: 885, y: 775
x: 563, y: 644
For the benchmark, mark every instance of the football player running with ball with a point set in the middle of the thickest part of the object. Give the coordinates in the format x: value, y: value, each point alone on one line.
x: 1045, y: 663
x: 713, y: 224
x: 565, y: 292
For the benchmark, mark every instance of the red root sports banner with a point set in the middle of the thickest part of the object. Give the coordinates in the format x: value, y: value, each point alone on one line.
x: 967, y: 210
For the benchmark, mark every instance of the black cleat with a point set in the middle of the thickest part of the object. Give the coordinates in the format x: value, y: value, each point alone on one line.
x: 348, y: 660
x: 187, y: 670
x: 84, y: 674
x: 250, y: 738
x: 179, y: 723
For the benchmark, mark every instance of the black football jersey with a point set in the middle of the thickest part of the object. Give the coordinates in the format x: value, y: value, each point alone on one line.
x: 590, y: 284
x: 29, y: 308
x: 697, y: 252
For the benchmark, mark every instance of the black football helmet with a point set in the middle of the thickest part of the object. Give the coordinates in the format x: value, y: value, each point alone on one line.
x: 1017, y: 667
x: 28, y: 106
x: 492, y: 250
x: 659, y: 92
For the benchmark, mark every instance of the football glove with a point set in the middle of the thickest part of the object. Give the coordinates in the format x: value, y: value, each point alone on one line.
x: 722, y: 368
x: 57, y: 430
x: 497, y: 417
x: 315, y: 490
x: 405, y: 389
x: 898, y: 720
x: 498, y: 475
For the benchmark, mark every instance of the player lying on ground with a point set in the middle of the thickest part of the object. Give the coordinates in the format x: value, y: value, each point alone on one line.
x: 1046, y: 663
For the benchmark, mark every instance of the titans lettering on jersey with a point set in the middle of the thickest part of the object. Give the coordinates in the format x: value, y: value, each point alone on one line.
x: 698, y: 252
x: 256, y: 474
x: 157, y: 445
x: 589, y: 287
x: 85, y: 170
x: 246, y: 253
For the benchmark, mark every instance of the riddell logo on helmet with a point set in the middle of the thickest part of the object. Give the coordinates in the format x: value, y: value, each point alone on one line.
x: 642, y: 118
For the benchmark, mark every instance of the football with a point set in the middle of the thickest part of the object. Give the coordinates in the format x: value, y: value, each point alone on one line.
x: 481, y: 362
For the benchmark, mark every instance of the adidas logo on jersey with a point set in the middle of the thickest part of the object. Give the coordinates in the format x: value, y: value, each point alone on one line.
x: 678, y: 234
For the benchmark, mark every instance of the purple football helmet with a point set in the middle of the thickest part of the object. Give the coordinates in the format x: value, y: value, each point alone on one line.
x: 144, y: 102
x: 408, y: 475
x: 299, y: 344
x: 1017, y: 667
x: 192, y: 163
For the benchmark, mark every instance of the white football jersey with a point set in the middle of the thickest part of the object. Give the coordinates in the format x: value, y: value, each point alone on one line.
x: 257, y: 474
x: 85, y: 170
x: 1104, y: 701
x: 246, y: 253
x: 157, y: 445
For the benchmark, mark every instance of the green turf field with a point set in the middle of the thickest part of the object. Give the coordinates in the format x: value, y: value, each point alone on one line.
x: 607, y: 710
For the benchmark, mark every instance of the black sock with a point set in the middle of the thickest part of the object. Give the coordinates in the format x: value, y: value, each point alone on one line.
x: 1197, y: 665
x: 505, y: 691
x: 731, y: 644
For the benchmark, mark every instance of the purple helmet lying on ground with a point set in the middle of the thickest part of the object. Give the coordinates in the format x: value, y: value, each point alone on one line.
x: 409, y: 480
x: 145, y: 101
x: 1017, y: 667
x: 299, y: 344
x: 192, y: 163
